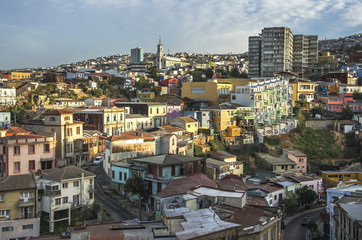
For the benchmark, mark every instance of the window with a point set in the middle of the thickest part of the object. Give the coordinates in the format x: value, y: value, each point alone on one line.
x: 76, y: 184
x: 65, y: 200
x: 112, y: 174
x: 125, y: 176
x: 275, y: 197
x: 31, y: 165
x: 65, y: 185
x: 172, y: 170
x: 25, y: 195
x: 90, y: 195
x: 16, y: 166
x: 301, y: 160
x: 120, y: 176
x: 52, y: 119
x: 311, y: 186
x: 58, y: 201
x: 198, y: 90
x: 115, y: 117
x: 66, y: 118
x: 26, y: 212
x: 16, y: 150
x: 7, y: 229
x: 1, y: 197
x: 31, y: 149
x: 157, y: 111
x: 47, y: 147
x: 107, y: 117
x: 4, y: 213
x: 29, y: 226
x: 78, y: 130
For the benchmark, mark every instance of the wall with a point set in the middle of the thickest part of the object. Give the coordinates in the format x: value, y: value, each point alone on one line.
x: 319, y: 124
x: 18, y: 231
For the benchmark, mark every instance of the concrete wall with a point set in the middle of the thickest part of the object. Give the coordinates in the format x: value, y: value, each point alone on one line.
x: 320, y: 124
x: 32, y: 228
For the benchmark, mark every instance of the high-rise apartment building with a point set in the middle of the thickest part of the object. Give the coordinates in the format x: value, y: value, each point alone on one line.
x: 276, y: 50
x: 254, y: 56
x: 136, y: 55
x: 305, y: 52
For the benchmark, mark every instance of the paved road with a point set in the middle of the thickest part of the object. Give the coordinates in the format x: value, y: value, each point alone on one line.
x: 295, y: 230
x: 111, y: 205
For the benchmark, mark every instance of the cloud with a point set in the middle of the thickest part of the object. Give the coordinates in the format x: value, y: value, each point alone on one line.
x: 82, y: 28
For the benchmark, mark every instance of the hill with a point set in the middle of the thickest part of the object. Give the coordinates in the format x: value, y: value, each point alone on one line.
x: 323, y: 147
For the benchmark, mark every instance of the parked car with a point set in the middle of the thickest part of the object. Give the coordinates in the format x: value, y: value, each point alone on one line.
x: 305, y: 221
x: 98, y: 160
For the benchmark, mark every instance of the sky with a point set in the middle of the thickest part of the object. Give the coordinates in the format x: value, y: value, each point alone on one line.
x: 42, y: 33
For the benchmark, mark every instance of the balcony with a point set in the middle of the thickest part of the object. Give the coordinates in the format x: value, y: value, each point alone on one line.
x: 26, y: 202
x: 91, y: 188
x: 53, y: 193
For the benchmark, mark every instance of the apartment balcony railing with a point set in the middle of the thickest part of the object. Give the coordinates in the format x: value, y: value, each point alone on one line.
x: 53, y: 193
x: 26, y: 202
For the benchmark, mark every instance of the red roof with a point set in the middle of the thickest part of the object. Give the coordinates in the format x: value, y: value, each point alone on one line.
x: 16, y: 131
x: 182, y: 185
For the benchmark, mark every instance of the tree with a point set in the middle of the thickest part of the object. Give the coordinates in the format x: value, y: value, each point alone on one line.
x: 307, y: 195
x: 314, y: 233
x: 18, y: 113
x: 235, y: 72
x: 136, y: 186
x: 317, y: 110
x: 209, y: 73
x: 347, y: 113
x: 142, y: 83
x: 290, y: 202
x: 154, y: 73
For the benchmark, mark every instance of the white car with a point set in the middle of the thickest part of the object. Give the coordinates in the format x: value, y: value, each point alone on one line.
x: 98, y: 160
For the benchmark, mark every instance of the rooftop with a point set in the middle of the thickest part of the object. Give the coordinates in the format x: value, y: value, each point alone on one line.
x: 352, y: 206
x: 71, y: 172
x: 212, y: 192
x: 131, y: 136
x: 17, y: 182
x: 202, y: 222
x: 276, y: 160
x: 166, y: 159
x: 182, y: 185
x: 222, y: 155
x: 57, y: 112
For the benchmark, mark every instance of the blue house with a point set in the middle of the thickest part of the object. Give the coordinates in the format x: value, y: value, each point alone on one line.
x: 157, y: 170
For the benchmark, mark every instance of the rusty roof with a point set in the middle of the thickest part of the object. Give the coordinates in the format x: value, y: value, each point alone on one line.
x: 132, y: 135
x: 188, y: 119
x: 182, y: 185
x: 231, y: 182
x: 16, y: 130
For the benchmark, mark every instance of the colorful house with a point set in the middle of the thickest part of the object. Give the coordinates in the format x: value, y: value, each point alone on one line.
x: 333, y: 178
x: 19, y: 207
x: 190, y: 124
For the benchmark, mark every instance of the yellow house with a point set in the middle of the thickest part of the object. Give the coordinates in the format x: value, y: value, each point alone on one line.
x: 333, y: 178
x: 190, y: 124
x: 20, y: 75
x: 146, y: 96
x: 326, y: 58
x: 303, y: 90
x: 18, y: 207
x: 222, y: 116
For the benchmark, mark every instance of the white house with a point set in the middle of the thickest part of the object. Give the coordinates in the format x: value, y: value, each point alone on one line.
x: 135, y: 122
x: 7, y: 96
x: 65, y: 189
x: 95, y: 102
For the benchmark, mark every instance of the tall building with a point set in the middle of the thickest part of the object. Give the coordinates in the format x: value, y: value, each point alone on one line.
x: 276, y: 50
x: 305, y: 52
x: 159, y: 54
x: 254, y: 56
x: 136, y: 55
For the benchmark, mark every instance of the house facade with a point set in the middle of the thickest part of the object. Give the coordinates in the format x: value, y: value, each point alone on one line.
x: 190, y: 124
x: 66, y: 130
x: 19, y: 207
x: 270, y: 99
x: 24, y: 154
x: 7, y: 96
x: 108, y: 120
x: 63, y: 190
x: 128, y: 145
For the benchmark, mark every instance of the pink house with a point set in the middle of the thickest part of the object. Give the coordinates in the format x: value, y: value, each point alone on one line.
x: 313, y: 182
x: 299, y: 158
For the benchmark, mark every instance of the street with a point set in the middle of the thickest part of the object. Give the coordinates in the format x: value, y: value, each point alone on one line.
x: 111, y: 205
x: 294, y: 228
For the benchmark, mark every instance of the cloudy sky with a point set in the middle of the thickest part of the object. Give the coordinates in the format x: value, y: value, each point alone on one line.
x: 39, y: 33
